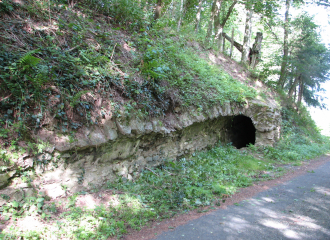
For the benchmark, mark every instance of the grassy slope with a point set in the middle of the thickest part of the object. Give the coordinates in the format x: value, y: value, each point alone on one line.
x: 53, y: 71
x: 68, y: 67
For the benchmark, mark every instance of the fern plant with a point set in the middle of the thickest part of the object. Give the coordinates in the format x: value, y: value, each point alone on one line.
x: 76, y: 97
x: 28, y: 61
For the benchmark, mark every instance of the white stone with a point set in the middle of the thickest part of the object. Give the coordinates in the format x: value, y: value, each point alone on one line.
x: 123, y: 127
x: 137, y: 126
x: 110, y: 130
x: 148, y: 127
x: 53, y: 190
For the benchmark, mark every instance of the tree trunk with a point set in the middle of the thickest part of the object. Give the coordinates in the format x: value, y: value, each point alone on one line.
x: 301, y: 91
x: 281, y: 81
x: 231, y: 8
x: 294, y: 85
x: 210, y: 27
x: 221, y: 43
x: 180, y: 16
x: 158, y: 10
x: 247, y: 33
x: 198, y: 15
x: 254, y: 54
x: 222, y: 25
x: 217, y: 26
x: 172, y: 10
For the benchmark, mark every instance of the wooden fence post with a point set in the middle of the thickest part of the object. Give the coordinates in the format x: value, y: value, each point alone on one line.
x: 255, y: 51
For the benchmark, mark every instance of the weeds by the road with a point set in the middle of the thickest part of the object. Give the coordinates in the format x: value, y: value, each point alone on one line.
x: 205, y: 179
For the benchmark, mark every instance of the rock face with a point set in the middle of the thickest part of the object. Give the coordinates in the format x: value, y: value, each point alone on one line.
x: 123, y: 147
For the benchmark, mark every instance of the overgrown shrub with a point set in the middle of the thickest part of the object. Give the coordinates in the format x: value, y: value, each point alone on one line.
x: 126, y: 13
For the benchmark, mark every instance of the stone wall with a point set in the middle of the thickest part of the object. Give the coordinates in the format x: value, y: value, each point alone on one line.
x: 122, y: 147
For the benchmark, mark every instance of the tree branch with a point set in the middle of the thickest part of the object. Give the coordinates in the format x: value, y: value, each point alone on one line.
x: 228, y: 13
x: 271, y: 31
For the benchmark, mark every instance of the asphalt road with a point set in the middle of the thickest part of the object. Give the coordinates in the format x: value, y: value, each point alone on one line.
x: 297, y: 209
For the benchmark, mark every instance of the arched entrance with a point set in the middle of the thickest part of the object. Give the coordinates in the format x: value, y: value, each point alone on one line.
x: 241, y: 131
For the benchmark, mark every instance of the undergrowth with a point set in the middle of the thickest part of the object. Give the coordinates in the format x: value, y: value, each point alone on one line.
x: 68, y: 66
x: 57, y: 67
x: 203, y: 182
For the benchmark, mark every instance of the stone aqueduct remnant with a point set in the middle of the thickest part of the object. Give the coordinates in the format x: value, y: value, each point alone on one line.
x: 121, y: 147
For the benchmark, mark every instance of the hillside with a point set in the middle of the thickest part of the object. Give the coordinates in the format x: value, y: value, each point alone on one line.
x: 71, y: 70
x: 78, y: 69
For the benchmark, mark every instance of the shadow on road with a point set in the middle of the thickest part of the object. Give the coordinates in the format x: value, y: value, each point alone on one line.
x: 297, y: 209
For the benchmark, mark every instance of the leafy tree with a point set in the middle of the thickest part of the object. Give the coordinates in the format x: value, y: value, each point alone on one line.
x: 309, y: 60
x: 285, y: 44
x: 220, y: 13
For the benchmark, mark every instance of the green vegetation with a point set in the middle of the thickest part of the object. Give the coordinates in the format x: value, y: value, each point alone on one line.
x: 202, y: 181
x: 55, y: 68
x: 66, y: 64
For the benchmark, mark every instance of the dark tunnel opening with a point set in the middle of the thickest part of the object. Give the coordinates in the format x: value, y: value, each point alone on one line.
x: 241, y: 131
